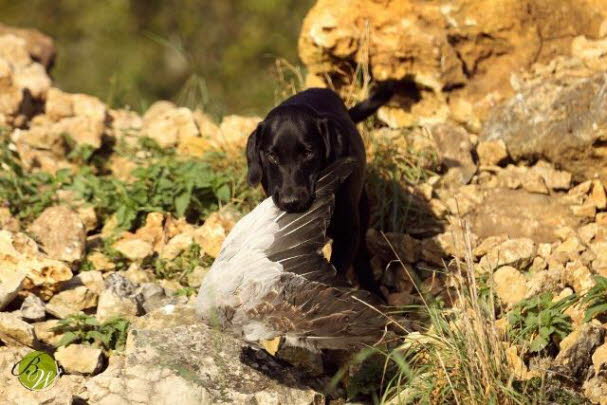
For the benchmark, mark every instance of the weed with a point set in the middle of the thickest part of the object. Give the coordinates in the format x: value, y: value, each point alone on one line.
x: 25, y: 194
x: 78, y: 154
x: 460, y: 358
x: 185, y: 292
x: 81, y: 328
x: 540, y: 320
x: 243, y: 197
x: 595, y: 299
x: 179, y: 267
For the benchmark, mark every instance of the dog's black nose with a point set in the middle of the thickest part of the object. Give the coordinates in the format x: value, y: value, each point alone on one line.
x: 295, y: 201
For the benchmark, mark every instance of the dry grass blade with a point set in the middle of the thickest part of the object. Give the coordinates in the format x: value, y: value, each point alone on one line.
x: 461, y: 356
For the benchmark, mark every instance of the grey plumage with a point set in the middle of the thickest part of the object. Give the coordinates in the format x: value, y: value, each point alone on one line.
x: 271, y: 279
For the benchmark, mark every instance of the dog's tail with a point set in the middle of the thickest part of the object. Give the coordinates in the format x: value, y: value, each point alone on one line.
x: 379, y: 96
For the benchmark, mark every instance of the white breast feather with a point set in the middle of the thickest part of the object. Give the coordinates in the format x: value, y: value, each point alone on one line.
x: 242, y: 274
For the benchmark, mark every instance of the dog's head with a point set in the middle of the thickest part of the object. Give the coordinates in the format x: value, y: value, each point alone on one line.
x: 287, y: 152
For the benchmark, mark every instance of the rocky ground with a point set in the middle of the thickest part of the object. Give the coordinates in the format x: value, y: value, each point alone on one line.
x: 491, y: 159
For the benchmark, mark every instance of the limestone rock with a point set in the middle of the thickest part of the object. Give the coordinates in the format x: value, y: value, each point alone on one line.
x: 23, y: 82
x: 100, y: 261
x: 531, y: 127
x: 212, y: 233
x: 575, y: 357
x: 487, y: 244
x: 579, y: 277
x: 112, y: 305
x: 453, y: 144
x: 462, y: 47
x: 71, y: 301
x: 196, y: 276
x: 533, y: 183
x: 162, y: 364
x: 135, y: 274
x: 39, y: 46
x: 133, y: 248
x: 176, y: 245
x: 7, y: 221
x: 554, y: 179
x: 492, y: 153
x: 11, y: 281
x: 194, y: 146
x: 518, y: 213
x: 515, y: 252
x: 510, y: 285
x: 146, y: 240
x: 125, y: 123
x: 167, y: 126
x: 153, y: 295
x: 599, y: 358
x: 19, y: 254
x: 120, y: 298
x: 14, y: 331
x: 32, y: 309
x: 592, y: 52
x: 584, y: 211
x: 393, y: 246
x: 595, y: 389
x: 33, y: 78
x: 91, y: 279
x: 233, y: 133
x: 45, y: 333
x: 401, y: 299
x: 79, y: 359
x: 80, y: 116
x: 61, y: 232
x: 597, y: 197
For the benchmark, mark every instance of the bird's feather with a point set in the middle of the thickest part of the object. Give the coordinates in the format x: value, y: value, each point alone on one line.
x: 271, y: 279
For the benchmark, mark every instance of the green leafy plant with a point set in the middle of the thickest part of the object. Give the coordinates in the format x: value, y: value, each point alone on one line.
x: 540, y: 320
x: 26, y: 194
x: 595, y: 299
x: 82, y: 328
x: 78, y: 154
x: 183, y: 187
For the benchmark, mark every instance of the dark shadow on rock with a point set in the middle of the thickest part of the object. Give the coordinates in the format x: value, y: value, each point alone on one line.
x: 395, y: 209
x: 275, y: 368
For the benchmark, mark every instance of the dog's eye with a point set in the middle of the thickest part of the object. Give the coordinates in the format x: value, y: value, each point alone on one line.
x: 272, y: 158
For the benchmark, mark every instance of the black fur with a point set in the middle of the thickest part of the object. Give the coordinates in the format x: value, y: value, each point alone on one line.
x: 295, y: 142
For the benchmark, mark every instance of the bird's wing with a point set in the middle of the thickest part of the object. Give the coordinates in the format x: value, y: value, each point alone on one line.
x: 317, y: 315
x: 271, y: 278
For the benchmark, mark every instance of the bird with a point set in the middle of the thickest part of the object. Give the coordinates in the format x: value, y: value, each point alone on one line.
x: 271, y: 279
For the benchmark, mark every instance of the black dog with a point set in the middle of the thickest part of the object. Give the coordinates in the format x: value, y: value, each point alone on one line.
x: 295, y: 142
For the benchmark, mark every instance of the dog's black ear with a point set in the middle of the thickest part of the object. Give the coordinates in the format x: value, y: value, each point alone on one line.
x: 253, y: 157
x: 333, y: 138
